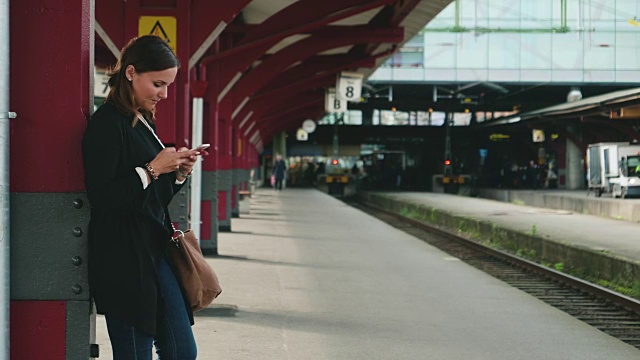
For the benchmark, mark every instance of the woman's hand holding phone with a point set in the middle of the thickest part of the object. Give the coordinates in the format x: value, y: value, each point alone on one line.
x: 190, y: 156
x: 201, y: 147
x: 169, y: 159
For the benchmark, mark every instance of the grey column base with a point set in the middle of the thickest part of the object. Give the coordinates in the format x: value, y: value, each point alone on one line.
x: 210, y: 251
x: 80, y: 332
x: 225, y: 178
x: 49, y: 260
x: 235, y: 180
x: 210, y: 193
x: 229, y: 193
x: 49, y: 246
x: 235, y: 211
x: 224, y: 228
x: 225, y: 225
x: 179, y: 207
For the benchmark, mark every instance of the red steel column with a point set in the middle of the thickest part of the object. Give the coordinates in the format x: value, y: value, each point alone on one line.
x: 235, y: 172
x: 252, y: 157
x: 210, y: 166
x: 51, y: 57
x: 224, y: 166
x: 245, y: 163
x: 249, y: 159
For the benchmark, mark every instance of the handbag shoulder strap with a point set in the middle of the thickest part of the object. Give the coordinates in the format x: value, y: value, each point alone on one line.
x: 166, y: 214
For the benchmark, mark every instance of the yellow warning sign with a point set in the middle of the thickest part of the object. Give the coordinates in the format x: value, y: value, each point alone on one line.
x: 162, y: 26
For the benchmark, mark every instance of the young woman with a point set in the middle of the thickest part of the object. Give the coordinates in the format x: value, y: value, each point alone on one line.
x: 131, y: 178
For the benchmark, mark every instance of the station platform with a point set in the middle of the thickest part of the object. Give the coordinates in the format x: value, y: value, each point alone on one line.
x: 601, y: 249
x: 305, y: 276
x: 577, y: 201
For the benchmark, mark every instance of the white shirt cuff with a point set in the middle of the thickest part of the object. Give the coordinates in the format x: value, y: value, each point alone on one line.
x: 178, y: 182
x: 143, y: 177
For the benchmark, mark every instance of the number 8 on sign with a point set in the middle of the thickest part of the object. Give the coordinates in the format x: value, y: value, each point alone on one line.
x: 349, y: 86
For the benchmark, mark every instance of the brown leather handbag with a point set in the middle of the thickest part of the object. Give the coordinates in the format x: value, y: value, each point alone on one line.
x: 199, y: 283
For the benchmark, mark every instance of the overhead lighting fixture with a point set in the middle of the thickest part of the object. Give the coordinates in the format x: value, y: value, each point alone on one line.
x: 498, y: 137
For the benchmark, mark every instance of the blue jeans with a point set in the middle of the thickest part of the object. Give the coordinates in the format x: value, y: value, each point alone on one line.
x: 174, y: 339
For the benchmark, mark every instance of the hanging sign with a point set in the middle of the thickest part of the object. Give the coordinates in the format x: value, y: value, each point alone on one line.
x: 332, y: 104
x: 349, y: 86
x: 162, y: 26
x: 538, y: 135
x: 309, y: 126
x: 302, y: 135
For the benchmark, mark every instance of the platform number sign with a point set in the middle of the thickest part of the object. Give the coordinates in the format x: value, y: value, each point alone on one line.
x: 349, y: 86
x: 100, y: 85
x: 333, y: 104
x: 162, y: 26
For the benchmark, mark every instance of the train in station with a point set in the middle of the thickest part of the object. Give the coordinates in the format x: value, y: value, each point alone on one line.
x: 338, y: 179
x: 335, y: 175
x: 345, y: 175
x: 384, y: 168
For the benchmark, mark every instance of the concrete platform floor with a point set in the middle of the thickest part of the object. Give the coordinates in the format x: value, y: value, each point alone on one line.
x: 577, y: 201
x: 308, y: 277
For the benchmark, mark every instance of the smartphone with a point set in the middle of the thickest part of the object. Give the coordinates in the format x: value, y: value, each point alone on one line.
x: 201, y: 147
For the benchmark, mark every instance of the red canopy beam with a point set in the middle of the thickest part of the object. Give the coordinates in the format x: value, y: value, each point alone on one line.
x: 303, y: 16
x: 289, y: 123
x: 268, y: 69
x: 272, y: 117
x: 261, y: 103
x: 392, y: 15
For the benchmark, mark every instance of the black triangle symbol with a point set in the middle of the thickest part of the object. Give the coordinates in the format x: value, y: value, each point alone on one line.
x: 159, y: 27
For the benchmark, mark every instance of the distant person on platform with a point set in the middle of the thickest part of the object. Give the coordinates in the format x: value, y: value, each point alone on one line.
x: 279, y: 168
x: 355, y: 170
x: 533, y: 175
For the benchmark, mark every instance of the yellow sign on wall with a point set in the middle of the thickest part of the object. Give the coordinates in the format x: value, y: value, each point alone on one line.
x: 538, y: 135
x: 165, y: 27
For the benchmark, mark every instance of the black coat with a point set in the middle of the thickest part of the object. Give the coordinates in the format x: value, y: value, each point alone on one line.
x: 129, y: 229
x: 279, y: 168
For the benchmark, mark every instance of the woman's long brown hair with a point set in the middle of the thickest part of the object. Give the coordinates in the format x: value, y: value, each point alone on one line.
x: 146, y: 53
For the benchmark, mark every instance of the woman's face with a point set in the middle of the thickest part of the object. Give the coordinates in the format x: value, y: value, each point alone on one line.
x: 150, y: 87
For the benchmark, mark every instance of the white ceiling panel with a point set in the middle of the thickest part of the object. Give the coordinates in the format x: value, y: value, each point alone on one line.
x: 286, y: 42
x: 259, y: 10
x: 360, y: 19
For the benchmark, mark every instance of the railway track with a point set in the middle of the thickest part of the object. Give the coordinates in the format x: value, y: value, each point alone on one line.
x: 608, y: 311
